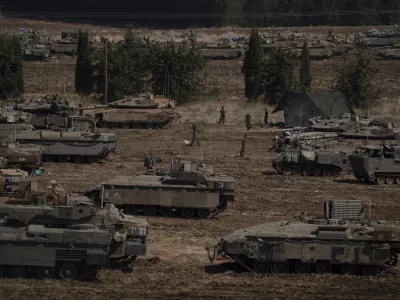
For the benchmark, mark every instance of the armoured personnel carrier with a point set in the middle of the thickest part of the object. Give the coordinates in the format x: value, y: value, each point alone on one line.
x: 68, y: 242
x: 376, y: 164
x: 341, y: 241
x: 188, y: 190
x: 144, y: 111
x: 77, y: 147
x: 311, y: 163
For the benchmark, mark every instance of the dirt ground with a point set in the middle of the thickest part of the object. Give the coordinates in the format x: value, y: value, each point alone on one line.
x: 176, y: 247
x: 177, y: 265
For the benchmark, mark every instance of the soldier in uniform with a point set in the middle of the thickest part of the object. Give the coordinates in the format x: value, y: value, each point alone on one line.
x: 80, y: 109
x: 243, y: 149
x: 222, y: 116
x: 266, y: 117
x: 195, y: 135
x: 248, y: 121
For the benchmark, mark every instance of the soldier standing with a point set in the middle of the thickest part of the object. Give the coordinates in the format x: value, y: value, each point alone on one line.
x: 222, y: 116
x: 248, y: 121
x: 243, y: 149
x: 195, y: 135
x: 266, y: 117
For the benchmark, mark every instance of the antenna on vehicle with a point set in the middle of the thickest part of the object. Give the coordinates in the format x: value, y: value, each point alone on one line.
x: 370, y: 208
x: 209, y: 149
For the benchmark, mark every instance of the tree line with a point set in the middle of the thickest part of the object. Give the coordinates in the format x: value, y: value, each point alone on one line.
x: 270, y: 78
x: 138, y: 65
x: 11, y: 67
x: 248, y: 12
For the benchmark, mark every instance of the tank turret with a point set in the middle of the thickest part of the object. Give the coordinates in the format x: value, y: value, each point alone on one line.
x: 77, y: 147
x: 343, y: 240
x: 311, y: 163
x: 143, y: 111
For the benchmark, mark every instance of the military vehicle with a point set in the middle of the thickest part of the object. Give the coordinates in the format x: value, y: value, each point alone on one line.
x: 20, y: 156
x: 376, y: 164
x: 77, y: 147
x: 189, y: 190
x: 311, y: 163
x: 68, y: 44
x: 10, y: 180
x: 34, y: 44
x: 220, y: 53
x: 69, y: 242
x: 143, y: 111
x: 341, y: 241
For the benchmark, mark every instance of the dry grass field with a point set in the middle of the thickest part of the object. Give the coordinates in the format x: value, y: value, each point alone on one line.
x: 176, y: 268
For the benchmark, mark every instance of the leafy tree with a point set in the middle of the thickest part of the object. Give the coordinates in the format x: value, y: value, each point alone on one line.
x: 84, y: 68
x: 252, y: 67
x: 305, y: 73
x: 11, y: 67
x: 138, y: 65
x: 178, y: 69
x: 278, y: 73
x: 357, y: 80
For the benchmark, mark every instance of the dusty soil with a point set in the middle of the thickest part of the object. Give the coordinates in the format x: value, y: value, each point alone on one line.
x: 262, y: 195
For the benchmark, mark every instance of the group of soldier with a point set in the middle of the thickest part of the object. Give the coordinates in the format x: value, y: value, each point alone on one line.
x: 221, y: 120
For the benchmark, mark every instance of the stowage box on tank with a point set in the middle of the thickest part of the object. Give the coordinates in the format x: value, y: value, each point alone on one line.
x: 378, y: 165
x: 66, y: 241
x: 311, y: 163
x: 349, y: 244
x: 189, y: 189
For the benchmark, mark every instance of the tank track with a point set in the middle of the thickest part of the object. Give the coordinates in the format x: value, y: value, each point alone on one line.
x: 212, y: 212
x: 318, y: 171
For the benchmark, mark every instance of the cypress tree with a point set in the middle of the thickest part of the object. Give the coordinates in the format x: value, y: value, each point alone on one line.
x: 305, y: 74
x: 252, y: 67
x: 11, y: 67
x: 84, y: 69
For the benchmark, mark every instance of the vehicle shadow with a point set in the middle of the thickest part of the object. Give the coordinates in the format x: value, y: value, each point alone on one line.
x: 350, y: 181
x: 224, y: 268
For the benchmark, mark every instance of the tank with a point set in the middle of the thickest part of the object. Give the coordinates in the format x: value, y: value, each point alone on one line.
x: 376, y: 164
x: 34, y: 44
x: 222, y: 52
x: 77, y: 147
x: 68, y: 44
x: 23, y: 157
x: 143, y: 111
x: 311, y: 163
x: 190, y: 190
x: 68, y: 242
x: 342, y: 241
